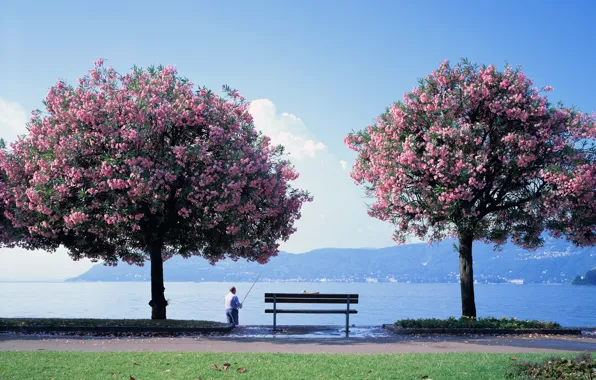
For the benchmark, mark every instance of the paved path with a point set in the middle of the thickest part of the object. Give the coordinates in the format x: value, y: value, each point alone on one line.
x: 394, y: 344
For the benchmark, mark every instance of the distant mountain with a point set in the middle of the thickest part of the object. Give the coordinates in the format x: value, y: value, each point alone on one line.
x: 556, y: 262
x: 588, y: 279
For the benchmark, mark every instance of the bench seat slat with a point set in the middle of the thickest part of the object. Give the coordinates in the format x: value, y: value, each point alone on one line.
x: 306, y: 295
x: 311, y: 300
x: 299, y: 311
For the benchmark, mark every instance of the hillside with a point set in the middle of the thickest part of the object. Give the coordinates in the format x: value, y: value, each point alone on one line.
x: 556, y: 262
x: 588, y: 279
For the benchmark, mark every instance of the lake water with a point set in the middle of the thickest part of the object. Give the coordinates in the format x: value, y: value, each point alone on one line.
x: 379, y: 303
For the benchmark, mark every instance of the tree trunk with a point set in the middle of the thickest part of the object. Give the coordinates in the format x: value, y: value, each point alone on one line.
x: 466, y: 275
x: 158, y: 300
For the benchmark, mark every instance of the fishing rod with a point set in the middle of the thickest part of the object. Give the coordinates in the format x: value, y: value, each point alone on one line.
x: 253, y: 284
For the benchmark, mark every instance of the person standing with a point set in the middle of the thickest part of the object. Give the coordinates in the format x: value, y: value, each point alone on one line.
x: 232, y: 306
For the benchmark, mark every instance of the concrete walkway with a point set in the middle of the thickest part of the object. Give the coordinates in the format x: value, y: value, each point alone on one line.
x: 289, y: 344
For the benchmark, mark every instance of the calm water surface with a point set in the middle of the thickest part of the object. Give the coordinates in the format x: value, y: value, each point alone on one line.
x: 379, y: 303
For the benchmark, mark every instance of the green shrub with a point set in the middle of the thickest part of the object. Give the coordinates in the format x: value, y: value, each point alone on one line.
x: 482, y: 323
x: 582, y: 367
x: 90, y: 322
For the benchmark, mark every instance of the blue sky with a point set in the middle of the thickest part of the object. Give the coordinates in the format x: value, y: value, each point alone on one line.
x: 315, y: 69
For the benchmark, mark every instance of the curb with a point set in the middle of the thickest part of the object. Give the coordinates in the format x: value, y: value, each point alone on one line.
x: 480, y: 331
x: 116, y: 329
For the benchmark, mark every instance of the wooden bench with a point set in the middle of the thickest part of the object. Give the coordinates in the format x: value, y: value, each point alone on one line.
x: 345, y: 299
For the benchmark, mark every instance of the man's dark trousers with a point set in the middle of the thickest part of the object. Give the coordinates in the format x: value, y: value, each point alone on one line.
x: 232, y: 315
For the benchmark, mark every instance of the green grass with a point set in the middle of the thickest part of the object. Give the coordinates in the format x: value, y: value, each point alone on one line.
x: 51, y: 322
x: 483, y: 322
x: 193, y: 365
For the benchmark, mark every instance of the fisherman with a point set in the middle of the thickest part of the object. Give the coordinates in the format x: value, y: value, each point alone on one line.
x: 232, y: 306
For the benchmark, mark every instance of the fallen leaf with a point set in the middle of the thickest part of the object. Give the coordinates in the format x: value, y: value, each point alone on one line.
x: 320, y: 374
x: 132, y: 378
x: 168, y: 370
x: 135, y: 363
x: 512, y: 358
x: 215, y: 367
x: 198, y: 378
x: 226, y: 366
x: 370, y: 371
x: 241, y: 369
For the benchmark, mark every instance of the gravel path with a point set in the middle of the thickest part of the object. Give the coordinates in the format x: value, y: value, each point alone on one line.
x: 289, y: 344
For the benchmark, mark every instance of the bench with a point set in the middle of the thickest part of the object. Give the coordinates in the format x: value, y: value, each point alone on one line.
x: 345, y: 299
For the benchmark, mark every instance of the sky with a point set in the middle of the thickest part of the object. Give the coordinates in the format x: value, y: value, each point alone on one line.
x: 313, y: 70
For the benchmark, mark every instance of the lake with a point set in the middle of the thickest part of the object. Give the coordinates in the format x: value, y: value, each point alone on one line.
x: 379, y: 303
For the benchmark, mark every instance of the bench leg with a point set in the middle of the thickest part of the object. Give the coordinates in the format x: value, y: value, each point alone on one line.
x: 348, y: 316
x: 274, y: 312
x: 347, y: 324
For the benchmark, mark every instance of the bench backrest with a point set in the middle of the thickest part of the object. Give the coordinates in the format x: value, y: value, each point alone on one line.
x: 310, y: 298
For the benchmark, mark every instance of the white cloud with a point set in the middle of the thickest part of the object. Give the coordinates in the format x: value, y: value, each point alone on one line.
x: 311, y: 148
x: 13, y: 119
x: 285, y: 129
x: 338, y: 215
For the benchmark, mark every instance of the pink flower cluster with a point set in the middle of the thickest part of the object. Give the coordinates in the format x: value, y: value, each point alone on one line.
x: 480, y: 151
x: 123, y: 159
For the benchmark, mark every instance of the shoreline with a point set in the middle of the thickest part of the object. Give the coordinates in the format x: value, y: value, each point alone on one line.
x: 321, y: 332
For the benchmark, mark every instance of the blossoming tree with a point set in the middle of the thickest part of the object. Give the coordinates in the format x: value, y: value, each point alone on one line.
x: 479, y: 154
x: 141, y: 167
x: 7, y: 233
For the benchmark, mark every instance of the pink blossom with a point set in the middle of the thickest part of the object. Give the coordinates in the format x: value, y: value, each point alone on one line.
x: 467, y: 132
x: 73, y: 219
x: 119, y: 158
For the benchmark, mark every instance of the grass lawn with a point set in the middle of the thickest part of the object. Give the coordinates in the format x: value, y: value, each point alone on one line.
x: 194, y: 365
x: 55, y: 322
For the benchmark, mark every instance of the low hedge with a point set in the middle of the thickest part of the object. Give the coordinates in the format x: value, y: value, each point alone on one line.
x: 91, y: 322
x: 480, y: 323
x: 581, y: 367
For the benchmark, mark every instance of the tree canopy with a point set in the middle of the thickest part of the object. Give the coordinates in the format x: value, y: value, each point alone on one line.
x: 123, y: 167
x: 476, y: 153
x: 482, y: 150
